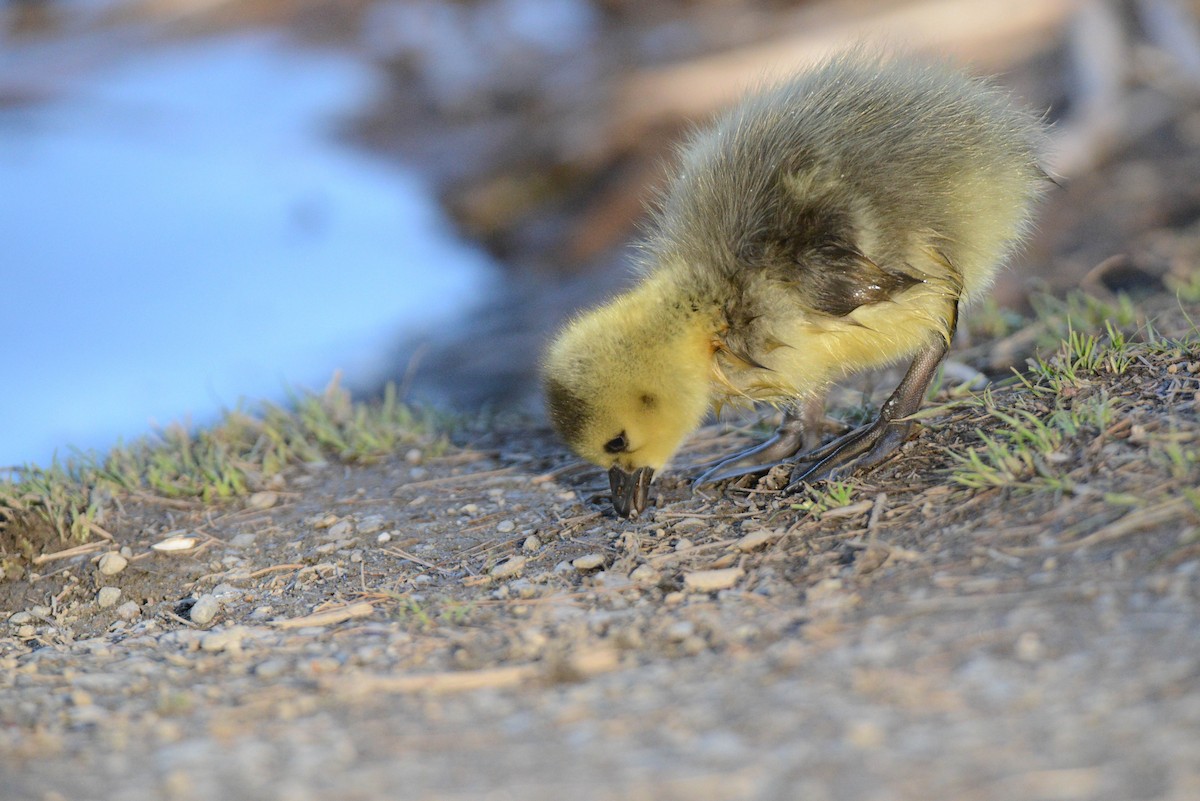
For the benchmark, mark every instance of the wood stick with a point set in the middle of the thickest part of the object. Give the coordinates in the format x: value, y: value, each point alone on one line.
x: 991, y: 34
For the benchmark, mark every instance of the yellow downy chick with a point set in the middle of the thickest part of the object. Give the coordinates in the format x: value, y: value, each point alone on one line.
x: 833, y: 223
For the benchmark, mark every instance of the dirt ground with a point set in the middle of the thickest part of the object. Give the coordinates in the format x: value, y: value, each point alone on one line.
x: 479, y: 625
x: 474, y: 623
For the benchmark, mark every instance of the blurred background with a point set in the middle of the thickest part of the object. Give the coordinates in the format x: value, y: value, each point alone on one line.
x: 206, y: 201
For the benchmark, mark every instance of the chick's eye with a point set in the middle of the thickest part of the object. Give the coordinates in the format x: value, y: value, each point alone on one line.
x: 617, y: 444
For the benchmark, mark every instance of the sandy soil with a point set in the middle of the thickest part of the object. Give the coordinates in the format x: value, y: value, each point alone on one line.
x: 478, y: 625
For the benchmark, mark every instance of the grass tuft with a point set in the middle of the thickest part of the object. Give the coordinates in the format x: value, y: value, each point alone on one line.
x: 236, y: 456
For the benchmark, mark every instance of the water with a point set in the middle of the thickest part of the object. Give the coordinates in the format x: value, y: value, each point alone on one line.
x: 179, y: 230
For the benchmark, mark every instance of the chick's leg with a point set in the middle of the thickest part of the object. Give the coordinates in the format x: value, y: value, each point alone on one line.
x: 866, y: 447
x: 801, y: 428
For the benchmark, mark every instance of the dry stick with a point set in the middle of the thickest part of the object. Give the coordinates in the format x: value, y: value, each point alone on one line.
x: 410, y: 557
x: 275, y: 568
x: 995, y: 33
x: 328, y: 617
x: 848, y: 511
x: 688, y: 552
x: 590, y: 662
x: 458, y: 681
x: 1127, y: 524
x: 69, y: 552
x: 1133, y: 521
x: 99, y: 531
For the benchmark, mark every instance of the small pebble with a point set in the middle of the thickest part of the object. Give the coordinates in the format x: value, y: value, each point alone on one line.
x: 532, y: 543
x: 469, y: 509
x: 865, y: 734
x: 108, y: 596
x: 177, y: 542
x: 271, y: 668
x: 712, y: 580
x: 755, y: 540
x: 370, y: 524
x: 680, y: 631
x: 342, y: 528
x: 262, y: 500
x: 128, y: 610
x: 509, y: 567
x: 204, y: 610
x: 645, y: 575
x: 413, y: 456
x: 385, y: 536
x: 227, y: 640
x: 522, y: 588
x: 111, y: 563
x: 1029, y: 647
x: 505, y: 526
x: 26, y: 632
x: 683, y: 544
x: 589, y: 561
x: 20, y: 618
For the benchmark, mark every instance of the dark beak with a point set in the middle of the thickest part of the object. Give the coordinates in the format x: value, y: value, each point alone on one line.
x: 630, y: 491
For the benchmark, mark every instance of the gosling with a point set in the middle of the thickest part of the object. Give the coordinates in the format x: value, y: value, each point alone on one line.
x: 833, y: 223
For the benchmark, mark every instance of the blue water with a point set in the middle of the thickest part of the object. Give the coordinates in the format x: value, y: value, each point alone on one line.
x: 179, y: 230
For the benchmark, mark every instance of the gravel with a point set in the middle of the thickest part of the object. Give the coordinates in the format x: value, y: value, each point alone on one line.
x: 108, y: 596
x: 111, y: 564
x: 204, y: 610
x: 731, y: 651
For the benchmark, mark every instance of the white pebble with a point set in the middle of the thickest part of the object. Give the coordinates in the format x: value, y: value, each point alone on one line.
x: 680, y: 630
x: 108, y: 596
x: 204, y: 610
x: 532, y: 543
x: 712, y: 580
x: 505, y: 526
x: 755, y: 540
x: 370, y: 524
x: 262, y: 500
x: 128, y: 610
x: 413, y: 456
x: 227, y: 640
x: 385, y: 536
x: 20, y: 618
x: 589, y: 561
x: 271, y: 669
x: 342, y: 528
x: 177, y: 542
x: 644, y: 574
x: 111, y: 563
x: 509, y: 567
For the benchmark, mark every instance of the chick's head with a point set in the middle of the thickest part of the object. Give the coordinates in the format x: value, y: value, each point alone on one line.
x: 624, y: 385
